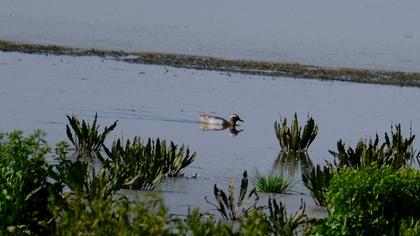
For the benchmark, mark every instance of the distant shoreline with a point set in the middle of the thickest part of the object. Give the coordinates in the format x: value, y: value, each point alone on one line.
x: 384, y: 77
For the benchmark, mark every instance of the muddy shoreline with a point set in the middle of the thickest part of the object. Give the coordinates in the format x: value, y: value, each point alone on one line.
x: 385, y: 77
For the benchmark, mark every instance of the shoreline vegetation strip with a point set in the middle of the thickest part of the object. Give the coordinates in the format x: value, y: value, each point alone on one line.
x: 263, y: 68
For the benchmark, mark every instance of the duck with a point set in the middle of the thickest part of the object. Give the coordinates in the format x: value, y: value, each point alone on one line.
x: 215, y: 120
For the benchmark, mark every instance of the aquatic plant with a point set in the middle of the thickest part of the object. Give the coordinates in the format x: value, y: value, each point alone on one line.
x: 82, y: 178
x: 144, y: 165
x: 86, y: 138
x: 141, y: 166
x: 397, y: 152
x: 281, y: 223
x: 176, y: 159
x: 25, y: 189
x: 271, y: 183
x: 317, y: 181
x: 293, y: 139
x: 232, y: 209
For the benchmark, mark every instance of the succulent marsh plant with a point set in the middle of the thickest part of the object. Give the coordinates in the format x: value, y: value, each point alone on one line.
x: 317, y: 181
x: 86, y: 138
x: 235, y: 209
x: 82, y: 178
x: 396, y: 151
x: 281, y: 223
x: 293, y: 138
x: 143, y: 166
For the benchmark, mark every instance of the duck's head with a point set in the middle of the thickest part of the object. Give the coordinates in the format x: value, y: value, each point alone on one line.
x: 234, y: 118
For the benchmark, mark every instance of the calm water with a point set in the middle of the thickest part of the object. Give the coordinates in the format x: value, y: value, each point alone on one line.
x: 155, y: 101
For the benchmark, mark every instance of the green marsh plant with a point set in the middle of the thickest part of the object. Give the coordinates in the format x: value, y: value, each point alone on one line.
x: 141, y: 165
x: 235, y: 209
x: 293, y: 138
x: 86, y: 138
x: 144, y: 165
x: 283, y: 224
x: 317, y: 181
x: 396, y: 151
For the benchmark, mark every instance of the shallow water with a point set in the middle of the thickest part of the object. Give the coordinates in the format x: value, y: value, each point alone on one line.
x: 37, y: 91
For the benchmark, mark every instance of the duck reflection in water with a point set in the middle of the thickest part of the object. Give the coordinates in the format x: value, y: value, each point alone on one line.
x: 214, y: 123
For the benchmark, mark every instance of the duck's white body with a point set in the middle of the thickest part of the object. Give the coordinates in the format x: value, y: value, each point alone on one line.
x: 215, y: 120
x: 212, y: 120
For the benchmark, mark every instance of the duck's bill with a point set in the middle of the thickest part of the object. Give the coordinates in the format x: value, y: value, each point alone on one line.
x: 240, y: 120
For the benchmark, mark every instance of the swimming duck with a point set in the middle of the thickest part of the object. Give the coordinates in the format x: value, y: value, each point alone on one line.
x: 215, y: 120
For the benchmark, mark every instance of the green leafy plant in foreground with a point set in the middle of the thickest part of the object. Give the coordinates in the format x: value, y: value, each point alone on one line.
x: 86, y: 138
x: 232, y: 209
x: 371, y: 201
x: 112, y: 216
x: 24, y: 187
x: 293, y: 139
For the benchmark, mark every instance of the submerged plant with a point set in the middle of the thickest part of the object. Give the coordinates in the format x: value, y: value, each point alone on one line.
x: 232, y: 209
x: 293, y: 139
x: 86, y: 138
x: 397, y: 152
x: 317, y: 181
x: 271, y: 183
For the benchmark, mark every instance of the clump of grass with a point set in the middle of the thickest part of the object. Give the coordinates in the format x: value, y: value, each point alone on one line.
x: 293, y: 139
x: 271, y: 183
